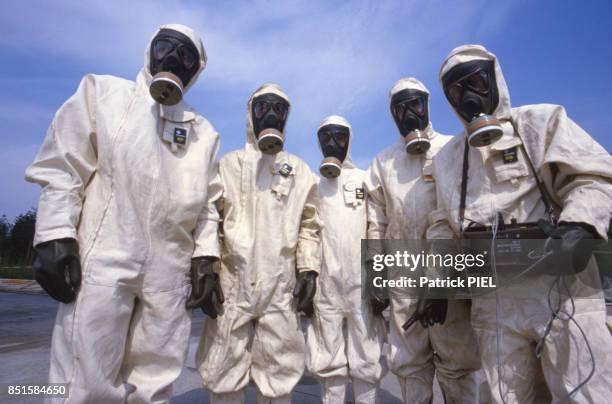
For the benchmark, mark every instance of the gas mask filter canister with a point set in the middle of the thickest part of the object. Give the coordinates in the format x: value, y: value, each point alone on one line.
x: 417, y: 142
x: 166, y: 88
x: 330, y: 167
x: 270, y: 141
x: 483, y: 130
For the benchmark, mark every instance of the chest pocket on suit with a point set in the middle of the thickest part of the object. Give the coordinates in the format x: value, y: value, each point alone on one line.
x: 283, y: 176
x: 509, y: 165
x: 354, y: 194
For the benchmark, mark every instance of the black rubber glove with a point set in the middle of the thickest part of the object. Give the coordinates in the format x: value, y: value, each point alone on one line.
x: 378, y: 297
x: 57, y: 268
x: 305, y: 289
x: 572, y: 246
x: 206, y: 290
x: 378, y: 302
x: 428, y: 312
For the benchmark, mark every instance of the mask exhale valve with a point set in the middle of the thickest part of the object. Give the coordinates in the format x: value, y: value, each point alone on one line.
x: 483, y: 130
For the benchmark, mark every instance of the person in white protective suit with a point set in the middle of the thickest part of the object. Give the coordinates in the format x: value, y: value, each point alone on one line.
x: 401, y: 194
x: 331, y: 355
x: 525, y: 164
x: 271, y: 232
x: 127, y: 183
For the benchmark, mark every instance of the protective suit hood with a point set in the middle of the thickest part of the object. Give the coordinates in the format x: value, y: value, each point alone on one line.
x: 338, y: 120
x: 410, y: 83
x: 468, y: 53
x: 191, y: 34
x: 269, y: 88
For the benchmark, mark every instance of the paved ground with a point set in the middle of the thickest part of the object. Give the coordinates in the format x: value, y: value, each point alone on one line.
x: 21, y: 285
x: 26, y: 322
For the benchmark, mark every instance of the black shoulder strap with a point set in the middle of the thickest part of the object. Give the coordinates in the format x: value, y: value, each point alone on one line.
x: 546, y: 198
x: 464, y: 179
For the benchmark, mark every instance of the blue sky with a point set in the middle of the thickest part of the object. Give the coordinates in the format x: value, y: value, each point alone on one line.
x: 331, y: 57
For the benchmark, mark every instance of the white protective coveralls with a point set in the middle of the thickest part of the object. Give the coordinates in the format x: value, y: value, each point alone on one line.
x: 271, y: 228
x: 139, y: 211
x: 401, y: 194
x: 576, y: 172
x: 331, y: 355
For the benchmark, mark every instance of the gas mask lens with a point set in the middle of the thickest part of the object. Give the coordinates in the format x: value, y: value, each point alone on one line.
x: 261, y: 108
x: 340, y: 138
x: 477, y: 81
x: 416, y: 105
x: 161, y: 48
x: 164, y: 46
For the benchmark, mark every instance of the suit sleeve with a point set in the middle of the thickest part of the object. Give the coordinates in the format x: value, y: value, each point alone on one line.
x: 582, y: 173
x: 376, y: 202
x: 64, y: 165
x: 439, y: 228
x: 206, y: 234
x: 438, y: 219
x: 308, y: 254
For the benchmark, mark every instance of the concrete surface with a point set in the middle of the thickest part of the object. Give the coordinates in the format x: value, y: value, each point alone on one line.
x: 26, y: 322
x: 21, y: 286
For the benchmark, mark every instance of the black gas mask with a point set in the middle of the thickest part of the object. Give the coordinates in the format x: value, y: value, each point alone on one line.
x: 471, y: 89
x: 174, y: 61
x: 269, y: 114
x: 333, y: 139
x: 409, y: 108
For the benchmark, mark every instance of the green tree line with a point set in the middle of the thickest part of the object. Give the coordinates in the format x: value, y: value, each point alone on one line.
x: 16, y: 239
